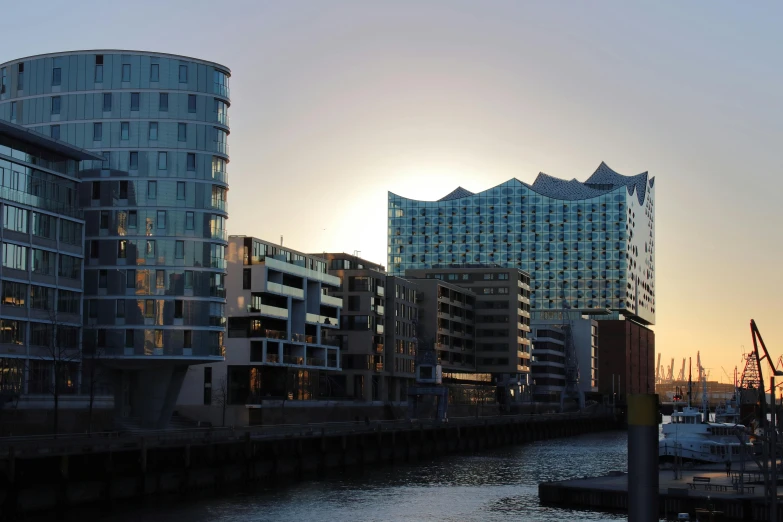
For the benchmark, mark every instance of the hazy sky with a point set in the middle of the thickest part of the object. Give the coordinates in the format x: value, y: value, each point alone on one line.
x: 334, y: 103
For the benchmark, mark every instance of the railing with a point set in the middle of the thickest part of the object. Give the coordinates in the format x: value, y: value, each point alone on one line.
x: 223, y: 118
x: 290, y: 359
x: 65, y: 444
x: 222, y: 147
x: 219, y: 233
x: 272, y: 358
x: 285, y: 290
x: 219, y: 204
x: 321, y: 319
x: 378, y: 367
x: 380, y: 291
x: 330, y: 300
x: 40, y: 202
x: 220, y: 175
x: 221, y: 90
x: 269, y: 310
x: 217, y: 291
x: 314, y: 361
x: 274, y: 334
x: 378, y: 348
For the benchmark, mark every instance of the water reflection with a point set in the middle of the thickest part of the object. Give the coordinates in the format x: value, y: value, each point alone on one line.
x: 497, y: 485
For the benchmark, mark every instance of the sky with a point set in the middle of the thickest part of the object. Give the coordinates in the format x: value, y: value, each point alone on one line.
x: 334, y: 103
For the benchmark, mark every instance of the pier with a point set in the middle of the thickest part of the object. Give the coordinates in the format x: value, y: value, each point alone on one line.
x: 46, y: 474
x: 698, y: 488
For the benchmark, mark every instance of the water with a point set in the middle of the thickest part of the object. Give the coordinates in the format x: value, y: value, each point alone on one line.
x: 495, y: 485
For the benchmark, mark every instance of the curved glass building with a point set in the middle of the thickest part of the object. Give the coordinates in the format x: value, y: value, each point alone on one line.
x: 155, y: 207
x: 585, y: 244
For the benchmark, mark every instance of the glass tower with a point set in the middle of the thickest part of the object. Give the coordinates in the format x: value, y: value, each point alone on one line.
x: 155, y: 207
x: 585, y: 245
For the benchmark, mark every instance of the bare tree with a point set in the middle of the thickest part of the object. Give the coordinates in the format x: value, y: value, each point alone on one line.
x: 96, y: 374
x: 63, y: 353
x: 220, y: 398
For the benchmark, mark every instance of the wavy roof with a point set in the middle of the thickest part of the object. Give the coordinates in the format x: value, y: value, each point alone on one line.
x: 603, y: 180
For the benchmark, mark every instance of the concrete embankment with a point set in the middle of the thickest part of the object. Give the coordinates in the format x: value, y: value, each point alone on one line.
x: 711, y: 489
x: 44, y: 474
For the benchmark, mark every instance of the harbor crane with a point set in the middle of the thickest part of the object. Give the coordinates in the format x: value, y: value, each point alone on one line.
x: 670, y: 378
x: 658, y: 370
x: 681, y: 377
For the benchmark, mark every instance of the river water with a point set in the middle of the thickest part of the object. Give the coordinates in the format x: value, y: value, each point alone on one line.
x: 495, y: 485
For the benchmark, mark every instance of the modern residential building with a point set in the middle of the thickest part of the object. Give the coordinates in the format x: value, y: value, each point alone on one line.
x: 42, y: 238
x: 155, y: 206
x: 555, y: 332
x: 362, y: 325
x: 377, y: 329
x: 282, y: 309
x: 402, y: 316
x: 586, y: 245
x: 447, y: 320
x: 502, y: 319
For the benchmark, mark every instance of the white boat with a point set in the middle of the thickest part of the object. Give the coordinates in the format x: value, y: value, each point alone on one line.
x: 691, y: 438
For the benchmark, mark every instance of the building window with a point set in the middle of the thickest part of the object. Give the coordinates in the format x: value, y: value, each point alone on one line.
x: 191, y: 162
x: 154, y: 72
x: 163, y: 160
x: 182, y: 132
x: 15, y: 219
x: 161, y: 219
x: 152, y: 190
x: 178, y: 308
x: 120, y: 308
x: 122, y: 249
x: 128, y: 338
x: 11, y: 332
x: 123, y: 189
x: 3, y: 80
x: 55, y: 132
x: 104, y: 221
x: 55, y: 105
x: 107, y: 102
x: 125, y: 130
x: 189, y: 279
x: 44, y: 226
x: 163, y: 103
x: 149, y: 308
x: 68, y: 302
x: 96, y: 190
x: 134, y: 101
x: 246, y: 279
x: 14, y: 256
x: 106, y: 160
x: 189, y: 219
x: 98, y: 68
x: 207, y: 385
x: 126, y: 72
x: 14, y: 294
x: 13, y: 111
x: 187, y: 339
x: 150, y: 250
x: 97, y: 131
x: 70, y: 232
x: 133, y: 160
x: 183, y: 74
x: 132, y: 219
x: 191, y: 103
x: 56, y: 76
x: 103, y: 278
x: 160, y: 278
x: 180, y: 190
x: 179, y: 250
x: 153, y: 135
x: 130, y: 279
x: 94, y: 249
x: 71, y: 267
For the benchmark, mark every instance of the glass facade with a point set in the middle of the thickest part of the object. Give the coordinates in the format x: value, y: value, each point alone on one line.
x: 585, y: 245
x: 155, y: 207
x: 40, y: 306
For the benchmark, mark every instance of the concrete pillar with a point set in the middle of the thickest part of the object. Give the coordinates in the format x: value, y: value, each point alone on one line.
x: 643, y: 457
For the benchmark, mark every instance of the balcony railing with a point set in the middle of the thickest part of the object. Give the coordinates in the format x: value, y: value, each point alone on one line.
x: 272, y: 334
x: 220, y: 175
x: 285, y: 290
x: 379, y: 367
x: 219, y: 233
x: 272, y: 358
x: 380, y: 291
x: 217, y: 291
x: 223, y: 118
x: 379, y: 348
x: 314, y: 361
x: 222, y: 147
x: 219, y: 204
x: 290, y: 359
x: 40, y: 202
x: 321, y: 319
x: 221, y: 90
x: 330, y: 300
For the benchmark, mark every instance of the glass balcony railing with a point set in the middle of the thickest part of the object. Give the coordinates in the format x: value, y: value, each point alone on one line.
x: 219, y: 204
x: 219, y: 233
x: 220, y: 175
x: 221, y: 89
x: 285, y: 290
x: 39, y: 202
x: 222, y: 147
x: 222, y: 117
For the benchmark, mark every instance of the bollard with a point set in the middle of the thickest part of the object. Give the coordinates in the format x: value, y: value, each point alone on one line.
x: 643, y: 458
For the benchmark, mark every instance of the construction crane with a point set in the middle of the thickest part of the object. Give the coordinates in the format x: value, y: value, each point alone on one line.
x: 726, y: 373
x: 671, y: 371
x: 682, y: 371
x: 658, y: 372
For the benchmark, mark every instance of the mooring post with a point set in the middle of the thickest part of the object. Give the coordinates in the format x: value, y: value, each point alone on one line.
x: 643, y: 458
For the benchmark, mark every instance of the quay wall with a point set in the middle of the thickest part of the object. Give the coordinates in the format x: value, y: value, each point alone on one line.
x: 58, y: 474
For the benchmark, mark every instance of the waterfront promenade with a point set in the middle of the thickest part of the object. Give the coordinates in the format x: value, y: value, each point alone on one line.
x: 39, y: 473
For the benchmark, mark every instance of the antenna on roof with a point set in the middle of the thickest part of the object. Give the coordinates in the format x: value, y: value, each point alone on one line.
x: 281, y: 240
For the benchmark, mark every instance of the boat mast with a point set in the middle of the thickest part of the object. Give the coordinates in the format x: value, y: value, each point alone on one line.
x: 690, y: 383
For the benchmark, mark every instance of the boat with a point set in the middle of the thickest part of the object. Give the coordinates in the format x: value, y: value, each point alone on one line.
x: 690, y: 436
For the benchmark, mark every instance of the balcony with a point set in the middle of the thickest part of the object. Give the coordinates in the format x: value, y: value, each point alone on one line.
x: 270, y: 334
x: 221, y: 147
x: 277, y: 288
x: 273, y: 311
x: 315, y: 361
x: 219, y: 233
x: 219, y: 204
x: 272, y: 358
x: 321, y: 319
x: 380, y: 291
x: 221, y: 90
x: 290, y: 359
x: 378, y: 367
x: 217, y: 291
x: 220, y: 175
x: 329, y: 341
x: 41, y: 202
x: 378, y: 348
x: 379, y: 329
x: 223, y: 118
x: 331, y: 301
x: 302, y: 338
